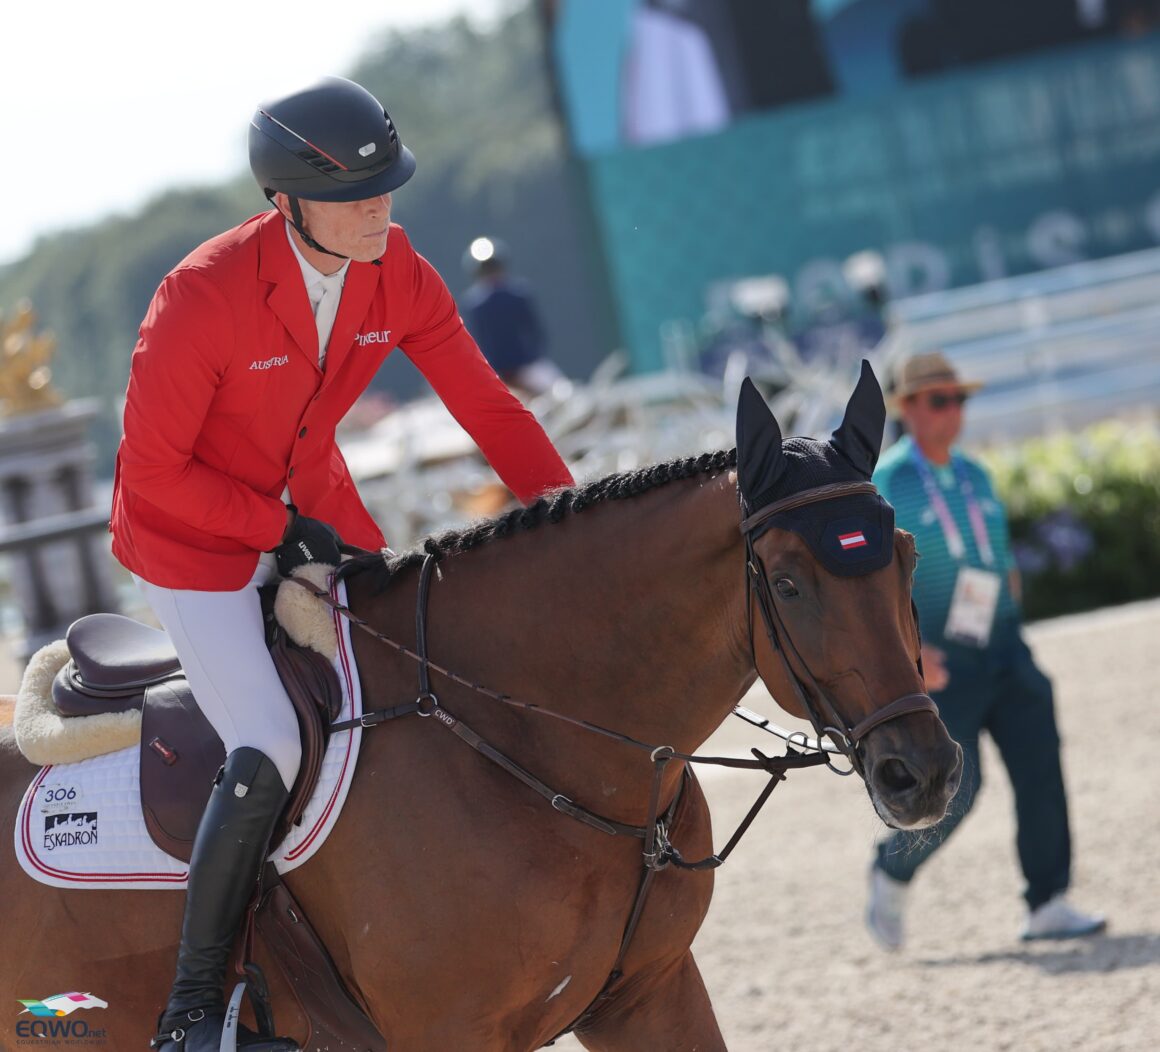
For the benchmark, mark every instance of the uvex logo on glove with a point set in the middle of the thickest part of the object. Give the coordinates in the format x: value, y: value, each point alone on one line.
x: 307, y: 540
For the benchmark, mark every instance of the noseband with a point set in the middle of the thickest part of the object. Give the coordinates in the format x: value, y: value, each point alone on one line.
x: 826, y: 719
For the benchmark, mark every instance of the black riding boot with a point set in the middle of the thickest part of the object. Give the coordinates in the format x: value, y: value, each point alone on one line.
x: 228, y: 853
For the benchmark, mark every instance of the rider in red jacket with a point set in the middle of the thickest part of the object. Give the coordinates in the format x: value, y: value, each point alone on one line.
x: 252, y: 351
x: 228, y: 406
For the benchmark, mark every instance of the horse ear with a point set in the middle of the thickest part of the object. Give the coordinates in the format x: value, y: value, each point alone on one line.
x: 760, y: 462
x: 859, y: 436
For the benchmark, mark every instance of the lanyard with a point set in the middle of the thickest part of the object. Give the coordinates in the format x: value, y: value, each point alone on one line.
x: 950, y: 528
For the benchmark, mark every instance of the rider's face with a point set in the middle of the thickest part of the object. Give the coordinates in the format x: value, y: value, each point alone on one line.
x: 357, y: 229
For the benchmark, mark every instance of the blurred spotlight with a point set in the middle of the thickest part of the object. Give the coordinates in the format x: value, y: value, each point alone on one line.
x: 764, y: 297
x: 482, y: 249
x: 865, y: 274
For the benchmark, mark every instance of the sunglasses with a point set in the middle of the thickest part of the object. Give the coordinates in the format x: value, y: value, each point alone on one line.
x: 942, y: 401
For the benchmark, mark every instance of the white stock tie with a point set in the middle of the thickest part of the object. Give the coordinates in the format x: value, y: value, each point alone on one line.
x: 325, y: 297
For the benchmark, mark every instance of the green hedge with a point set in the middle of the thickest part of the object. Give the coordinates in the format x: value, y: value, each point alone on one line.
x: 1085, y: 516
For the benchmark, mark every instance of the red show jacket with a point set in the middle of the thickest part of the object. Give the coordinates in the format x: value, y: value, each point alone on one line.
x: 226, y: 405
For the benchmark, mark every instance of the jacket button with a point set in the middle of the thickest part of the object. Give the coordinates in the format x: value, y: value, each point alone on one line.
x: 290, y: 473
x: 302, y: 433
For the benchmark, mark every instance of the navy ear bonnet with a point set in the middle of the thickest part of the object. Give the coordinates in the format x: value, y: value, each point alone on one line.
x: 849, y: 535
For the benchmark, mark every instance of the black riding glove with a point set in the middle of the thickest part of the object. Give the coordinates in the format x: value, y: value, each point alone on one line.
x: 307, y: 540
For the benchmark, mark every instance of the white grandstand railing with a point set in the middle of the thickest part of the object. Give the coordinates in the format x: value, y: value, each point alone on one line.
x: 1055, y: 349
x: 1077, y: 289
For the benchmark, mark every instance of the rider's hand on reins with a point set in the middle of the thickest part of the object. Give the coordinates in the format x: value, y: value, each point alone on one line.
x: 306, y: 540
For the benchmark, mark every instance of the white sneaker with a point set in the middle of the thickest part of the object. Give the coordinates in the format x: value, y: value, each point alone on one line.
x: 1058, y: 919
x: 884, y: 909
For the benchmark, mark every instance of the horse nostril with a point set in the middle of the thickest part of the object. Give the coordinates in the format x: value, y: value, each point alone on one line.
x: 894, y: 775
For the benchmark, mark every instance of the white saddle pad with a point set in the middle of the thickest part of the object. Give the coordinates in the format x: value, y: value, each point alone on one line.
x: 80, y: 824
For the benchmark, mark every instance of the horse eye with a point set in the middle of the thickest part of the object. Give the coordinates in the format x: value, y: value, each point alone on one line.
x: 786, y: 588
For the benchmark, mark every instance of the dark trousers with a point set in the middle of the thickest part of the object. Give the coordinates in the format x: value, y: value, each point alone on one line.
x: 1005, y: 694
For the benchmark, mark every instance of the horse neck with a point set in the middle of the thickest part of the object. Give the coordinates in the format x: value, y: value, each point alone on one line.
x: 630, y: 615
x: 678, y: 656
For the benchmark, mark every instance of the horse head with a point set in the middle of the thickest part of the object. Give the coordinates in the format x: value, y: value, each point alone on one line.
x: 830, y: 576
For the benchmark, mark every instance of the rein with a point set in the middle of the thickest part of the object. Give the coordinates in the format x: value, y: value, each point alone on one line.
x: 658, y: 851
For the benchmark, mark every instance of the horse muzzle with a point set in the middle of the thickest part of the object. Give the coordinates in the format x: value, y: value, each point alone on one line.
x: 910, y: 784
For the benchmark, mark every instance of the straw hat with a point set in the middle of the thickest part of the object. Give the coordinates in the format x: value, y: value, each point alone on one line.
x: 922, y: 371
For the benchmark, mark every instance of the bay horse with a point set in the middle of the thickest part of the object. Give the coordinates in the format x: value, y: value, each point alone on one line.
x: 463, y: 911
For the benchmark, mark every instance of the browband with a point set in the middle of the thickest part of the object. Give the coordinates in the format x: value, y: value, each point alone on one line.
x: 808, y: 496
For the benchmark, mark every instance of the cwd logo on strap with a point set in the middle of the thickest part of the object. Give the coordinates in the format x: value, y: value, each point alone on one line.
x: 48, y: 1025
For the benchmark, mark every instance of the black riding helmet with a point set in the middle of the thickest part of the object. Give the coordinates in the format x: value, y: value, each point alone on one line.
x: 330, y: 141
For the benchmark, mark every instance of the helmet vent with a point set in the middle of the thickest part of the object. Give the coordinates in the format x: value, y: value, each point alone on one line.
x: 319, y: 161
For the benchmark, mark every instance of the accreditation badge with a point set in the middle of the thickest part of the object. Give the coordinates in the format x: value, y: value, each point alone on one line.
x: 973, y: 606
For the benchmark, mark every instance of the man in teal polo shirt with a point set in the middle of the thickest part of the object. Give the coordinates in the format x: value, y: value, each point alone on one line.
x: 978, y: 668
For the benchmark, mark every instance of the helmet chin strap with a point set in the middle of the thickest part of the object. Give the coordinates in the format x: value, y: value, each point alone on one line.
x: 297, y: 223
x: 295, y: 219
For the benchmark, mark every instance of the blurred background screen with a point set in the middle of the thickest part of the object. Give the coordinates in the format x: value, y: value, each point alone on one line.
x: 968, y: 140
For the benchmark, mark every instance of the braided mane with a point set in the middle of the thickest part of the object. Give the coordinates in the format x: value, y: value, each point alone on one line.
x: 550, y: 509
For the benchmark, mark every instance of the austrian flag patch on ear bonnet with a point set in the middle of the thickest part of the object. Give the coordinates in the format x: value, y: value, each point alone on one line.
x: 848, y: 536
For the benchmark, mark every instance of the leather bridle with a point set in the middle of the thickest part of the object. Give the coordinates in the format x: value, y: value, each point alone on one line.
x: 827, y: 721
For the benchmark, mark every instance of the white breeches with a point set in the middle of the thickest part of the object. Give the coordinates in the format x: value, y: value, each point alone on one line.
x: 220, y: 639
